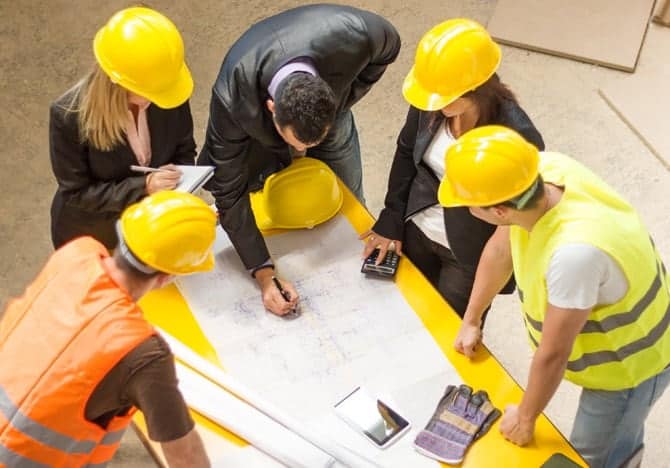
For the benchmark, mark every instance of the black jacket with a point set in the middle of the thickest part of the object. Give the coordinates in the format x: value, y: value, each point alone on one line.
x: 95, y: 186
x: 350, y: 49
x: 413, y: 187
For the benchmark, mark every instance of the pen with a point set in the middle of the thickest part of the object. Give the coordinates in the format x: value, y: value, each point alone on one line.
x: 146, y: 169
x: 284, y: 293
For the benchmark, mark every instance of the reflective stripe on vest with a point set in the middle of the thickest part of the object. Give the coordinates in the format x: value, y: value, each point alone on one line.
x: 619, y: 319
x: 39, y: 432
x: 602, y: 357
x: 108, y: 445
x: 113, y: 437
x: 14, y: 460
x: 68, y: 343
x: 621, y: 344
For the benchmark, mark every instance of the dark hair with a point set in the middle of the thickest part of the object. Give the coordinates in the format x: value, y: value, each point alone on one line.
x: 488, y: 97
x: 129, y: 270
x: 306, y: 103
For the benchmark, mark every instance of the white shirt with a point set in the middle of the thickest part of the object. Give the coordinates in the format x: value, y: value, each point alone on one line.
x: 431, y: 220
x: 582, y: 276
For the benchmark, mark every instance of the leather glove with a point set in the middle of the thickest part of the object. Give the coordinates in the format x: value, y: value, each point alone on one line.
x: 460, y: 418
x: 481, y: 399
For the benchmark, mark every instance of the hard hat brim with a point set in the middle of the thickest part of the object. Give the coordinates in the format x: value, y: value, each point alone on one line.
x: 300, y: 176
x: 206, y: 265
x: 420, y: 97
x: 447, y: 197
x: 177, y: 95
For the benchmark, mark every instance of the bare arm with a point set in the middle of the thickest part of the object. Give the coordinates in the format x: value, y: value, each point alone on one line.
x: 186, y: 452
x: 559, y: 331
x: 493, y: 272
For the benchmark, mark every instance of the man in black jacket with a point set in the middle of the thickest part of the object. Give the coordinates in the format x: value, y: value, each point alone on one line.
x: 286, y: 88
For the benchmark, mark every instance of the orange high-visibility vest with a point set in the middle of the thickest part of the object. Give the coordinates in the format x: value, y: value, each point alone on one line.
x: 57, y: 343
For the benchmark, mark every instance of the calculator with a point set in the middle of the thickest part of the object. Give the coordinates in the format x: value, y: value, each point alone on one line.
x: 386, y: 268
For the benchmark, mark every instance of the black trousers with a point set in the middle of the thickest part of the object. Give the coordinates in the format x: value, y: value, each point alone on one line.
x: 439, y: 265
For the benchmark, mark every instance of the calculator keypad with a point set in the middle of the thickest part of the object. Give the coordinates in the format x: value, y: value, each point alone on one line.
x: 386, y: 268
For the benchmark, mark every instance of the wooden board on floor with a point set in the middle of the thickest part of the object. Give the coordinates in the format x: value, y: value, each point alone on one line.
x: 642, y: 100
x: 662, y: 13
x: 605, y: 32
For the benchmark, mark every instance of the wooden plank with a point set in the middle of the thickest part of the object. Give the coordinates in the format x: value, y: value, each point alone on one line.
x: 642, y: 100
x: 604, y: 32
x: 662, y: 13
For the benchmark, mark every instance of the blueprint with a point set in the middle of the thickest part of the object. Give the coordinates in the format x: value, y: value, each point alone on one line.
x: 353, y: 331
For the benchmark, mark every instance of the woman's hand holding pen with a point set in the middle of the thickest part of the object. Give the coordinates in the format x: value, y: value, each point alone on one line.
x: 384, y: 244
x: 166, y: 178
x: 278, y: 301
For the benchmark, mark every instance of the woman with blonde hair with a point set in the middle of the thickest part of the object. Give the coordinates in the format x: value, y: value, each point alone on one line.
x: 131, y: 110
x: 452, y: 88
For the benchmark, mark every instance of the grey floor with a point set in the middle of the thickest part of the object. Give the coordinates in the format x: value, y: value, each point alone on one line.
x: 46, y: 47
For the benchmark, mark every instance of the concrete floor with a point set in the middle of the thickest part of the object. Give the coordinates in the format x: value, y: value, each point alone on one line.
x: 46, y: 47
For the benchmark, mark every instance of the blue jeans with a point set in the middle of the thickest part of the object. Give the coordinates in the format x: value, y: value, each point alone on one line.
x: 340, y: 150
x: 609, y: 425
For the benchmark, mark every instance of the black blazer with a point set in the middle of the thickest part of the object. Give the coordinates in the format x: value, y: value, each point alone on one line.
x: 350, y: 49
x: 413, y: 187
x: 95, y: 186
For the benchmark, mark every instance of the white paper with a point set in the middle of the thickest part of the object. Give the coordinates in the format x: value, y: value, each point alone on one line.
x: 193, y: 177
x: 242, y: 419
x: 352, y: 331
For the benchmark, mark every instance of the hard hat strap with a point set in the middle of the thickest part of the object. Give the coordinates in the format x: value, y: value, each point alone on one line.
x: 520, y: 202
x: 129, y: 256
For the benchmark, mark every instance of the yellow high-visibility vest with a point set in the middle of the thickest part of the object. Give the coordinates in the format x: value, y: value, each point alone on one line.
x: 621, y: 344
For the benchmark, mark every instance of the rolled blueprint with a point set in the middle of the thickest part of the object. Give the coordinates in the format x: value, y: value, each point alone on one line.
x: 268, y: 436
x: 218, y: 376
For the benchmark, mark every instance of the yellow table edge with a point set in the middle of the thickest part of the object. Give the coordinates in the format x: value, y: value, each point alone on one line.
x: 168, y: 309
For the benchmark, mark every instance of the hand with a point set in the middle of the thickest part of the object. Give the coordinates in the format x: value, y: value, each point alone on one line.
x: 515, y: 428
x: 384, y: 244
x: 272, y: 298
x: 166, y: 179
x: 469, y: 336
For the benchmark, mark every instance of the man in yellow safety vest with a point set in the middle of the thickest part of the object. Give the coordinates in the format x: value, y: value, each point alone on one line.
x: 594, y: 291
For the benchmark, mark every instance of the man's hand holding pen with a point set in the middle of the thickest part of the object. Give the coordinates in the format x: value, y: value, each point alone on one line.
x: 285, y: 294
x: 279, y: 297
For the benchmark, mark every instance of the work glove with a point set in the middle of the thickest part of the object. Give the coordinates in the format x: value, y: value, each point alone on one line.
x: 460, y: 418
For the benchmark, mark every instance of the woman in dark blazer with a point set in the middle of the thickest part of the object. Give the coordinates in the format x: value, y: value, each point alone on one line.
x: 452, y: 88
x: 131, y: 109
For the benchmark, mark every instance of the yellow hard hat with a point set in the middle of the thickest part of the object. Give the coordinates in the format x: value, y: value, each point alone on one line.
x: 303, y: 195
x: 142, y: 51
x: 169, y: 232
x: 486, y: 166
x: 452, y: 58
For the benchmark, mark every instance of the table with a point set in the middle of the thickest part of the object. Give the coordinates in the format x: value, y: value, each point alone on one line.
x: 168, y: 309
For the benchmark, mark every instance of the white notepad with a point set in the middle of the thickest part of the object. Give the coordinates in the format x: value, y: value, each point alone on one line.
x: 193, y: 177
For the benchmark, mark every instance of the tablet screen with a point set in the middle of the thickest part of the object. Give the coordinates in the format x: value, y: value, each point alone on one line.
x: 371, y: 416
